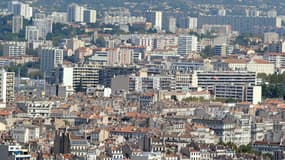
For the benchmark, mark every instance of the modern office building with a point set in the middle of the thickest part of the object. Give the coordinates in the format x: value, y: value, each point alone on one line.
x: 208, y: 80
x: 50, y: 58
x: 17, y: 24
x: 187, y: 44
x: 79, y: 77
x: 242, y: 93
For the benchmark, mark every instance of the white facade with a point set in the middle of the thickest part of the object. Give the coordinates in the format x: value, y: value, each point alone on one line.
x: 59, y: 17
x: 278, y: 59
x: 39, y: 108
x: 67, y: 77
x: 270, y: 37
x: 172, y: 24
x: 20, y: 9
x: 90, y: 16
x: 26, y: 133
x: 257, y: 94
x: 44, y: 26
x: 75, y: 13
x: 193, y: 23
x: 252, y: 94
x: 86, y: 76
x: 148, y: 156
x: 7, y: 86
x: 123, y: 20
x: 260, y: 67
x: 158, y: 20
x: 32, y: 33
x: 14, y: 49
x: 187, y: 44
x: 74, y: 43
x: 155, y: 17
x: 255, y: 65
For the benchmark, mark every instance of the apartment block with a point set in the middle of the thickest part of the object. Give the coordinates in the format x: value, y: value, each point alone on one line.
x: 7, y: 84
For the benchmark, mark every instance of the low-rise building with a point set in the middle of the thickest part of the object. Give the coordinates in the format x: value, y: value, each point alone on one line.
x: 25, y: 133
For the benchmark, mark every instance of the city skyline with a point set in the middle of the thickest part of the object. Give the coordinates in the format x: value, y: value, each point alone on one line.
x: 142, y: 80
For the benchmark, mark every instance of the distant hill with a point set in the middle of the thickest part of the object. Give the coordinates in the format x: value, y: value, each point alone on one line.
x: 184, y: 4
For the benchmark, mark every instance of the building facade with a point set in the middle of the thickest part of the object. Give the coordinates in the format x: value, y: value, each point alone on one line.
x: 50, y: 58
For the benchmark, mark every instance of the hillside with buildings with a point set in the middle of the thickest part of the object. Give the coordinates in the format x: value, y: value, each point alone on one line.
x: 142, y: 80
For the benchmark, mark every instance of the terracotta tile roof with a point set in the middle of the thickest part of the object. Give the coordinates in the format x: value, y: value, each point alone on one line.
x: 273, y: 101
x: 261, y: 61
x: 137, y: 115
x: 275, y: 54
x: 281, y: 106
x: 67, y: 156
x: 130, y: 129
x: 240, y: 61
x: 5, y: 113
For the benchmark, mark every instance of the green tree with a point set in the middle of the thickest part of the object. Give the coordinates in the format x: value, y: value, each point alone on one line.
x: 273, y: 85
x: 267, y: 156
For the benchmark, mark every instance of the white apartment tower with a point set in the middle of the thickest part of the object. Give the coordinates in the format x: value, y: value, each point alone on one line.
x: 7, y: 86
x: 172, y: 24
x: 187, y: 44
x: 193, y: 23
x: 90, y: 16
x: 44, y: 26
x: 20, y: 9
x: 75, y: 76
x: 75, y: 13
x: 155, y: 17
x: 32, y: 33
